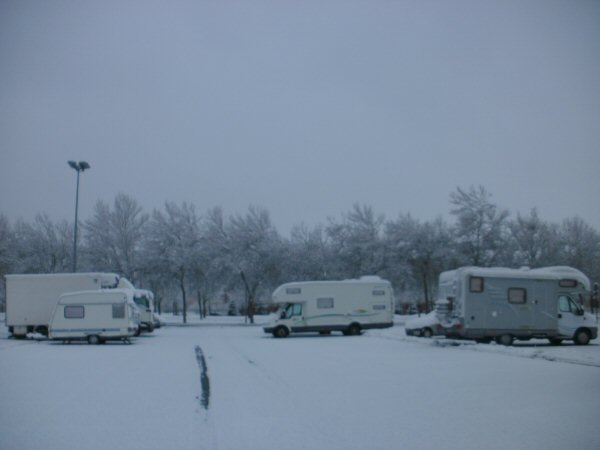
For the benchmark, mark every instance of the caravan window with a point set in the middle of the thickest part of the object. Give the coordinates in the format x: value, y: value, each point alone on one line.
x: 568, y: 283
x: 118, y: 311
x: 74, y: 312
x: 476, y: 284
x: 295, y: 290
x: 378, y: 292
x: 326, y: 302
x: 517, y: 295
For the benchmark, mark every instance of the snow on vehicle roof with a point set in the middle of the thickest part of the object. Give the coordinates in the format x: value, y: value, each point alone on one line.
x: 549, y: 273
x: 104, y: 296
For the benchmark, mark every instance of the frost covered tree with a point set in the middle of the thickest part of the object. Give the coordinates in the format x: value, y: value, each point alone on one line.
x: 356, y: 243
x: 580, y: 246
x: 173, y: 242
x: 425, y: 248
x: 43, y: 246
x: 533, y: 242
x: 480, y: 230
x: 113, y: 237
x: 307, y: 254
x: 255, y: 254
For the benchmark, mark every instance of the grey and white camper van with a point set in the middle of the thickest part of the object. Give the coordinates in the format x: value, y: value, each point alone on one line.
x: 504, y: 304
x: 348, y: 306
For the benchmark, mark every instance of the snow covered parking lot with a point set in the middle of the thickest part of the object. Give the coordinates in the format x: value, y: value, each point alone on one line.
x: 381, y: 390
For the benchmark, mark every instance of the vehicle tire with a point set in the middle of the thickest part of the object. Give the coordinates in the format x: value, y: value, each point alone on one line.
x: 93, y: 339
x: 555, y: 341
x: 280, y: 332
x: 138, y: 332
x: 505, y: 339
x: 150, y: 328
x: 426, y: 332
x: 582, y: 337
x: 353, y: 329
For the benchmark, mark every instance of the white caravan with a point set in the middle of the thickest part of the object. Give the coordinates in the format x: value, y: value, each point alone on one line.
x: 31, y: 299
x: 95, y: 316
x: 144, y: 300
x: 506, y: 304
x: 348, y: 306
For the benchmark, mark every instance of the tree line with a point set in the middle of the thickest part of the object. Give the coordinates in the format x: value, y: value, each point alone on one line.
x: 213, y: 263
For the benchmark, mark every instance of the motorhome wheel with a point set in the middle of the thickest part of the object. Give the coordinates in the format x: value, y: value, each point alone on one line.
x: 354, y: 329
x: 93, y: 339
x: 427, y: 332
x: 582, y: 337
x: 280, y: 332
x: 505, y: 339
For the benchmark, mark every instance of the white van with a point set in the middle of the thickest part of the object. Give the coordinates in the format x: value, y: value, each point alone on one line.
x: 349, y: 306
x: 95, y: 316
x: 144, y: 300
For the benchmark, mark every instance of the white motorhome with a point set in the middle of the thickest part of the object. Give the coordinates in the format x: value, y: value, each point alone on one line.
x: 507, y: 304
x: 144, y: 299
x: 31, y: 299
x: 348, y: 306
x: 95, y: 316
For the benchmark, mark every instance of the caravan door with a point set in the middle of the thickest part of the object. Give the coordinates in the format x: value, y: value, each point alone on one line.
x: 568, y: 315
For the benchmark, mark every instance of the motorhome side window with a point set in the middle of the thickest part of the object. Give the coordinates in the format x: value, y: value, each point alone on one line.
x: 476, y: 284
x: 568, y: 283
x: 118, y: 311
x: 378, y: 292
x: 517, y: 295
x: 295, y: 290
x: 326, y: 302
x: 74, y: 312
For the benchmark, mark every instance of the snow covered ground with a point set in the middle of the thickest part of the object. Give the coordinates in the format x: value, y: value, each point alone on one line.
x: 381, y: 390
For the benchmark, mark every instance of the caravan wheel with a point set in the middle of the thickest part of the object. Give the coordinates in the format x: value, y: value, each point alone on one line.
x: 93, y: 339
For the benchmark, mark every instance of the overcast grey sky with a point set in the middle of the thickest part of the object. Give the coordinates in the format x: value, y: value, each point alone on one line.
x: 301, y: 107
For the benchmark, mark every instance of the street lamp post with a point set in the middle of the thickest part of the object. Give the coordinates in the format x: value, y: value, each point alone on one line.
x: 79, y: 167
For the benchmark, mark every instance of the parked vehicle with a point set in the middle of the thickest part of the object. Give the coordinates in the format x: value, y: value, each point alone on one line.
x: 96, y: 316
x: 144, y: 299
x: 31, y: 299
x: 426, y: 325
x: 507, y: 304
x: 349, y: 306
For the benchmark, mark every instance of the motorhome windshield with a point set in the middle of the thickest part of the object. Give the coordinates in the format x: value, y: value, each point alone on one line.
x: 291, y: 309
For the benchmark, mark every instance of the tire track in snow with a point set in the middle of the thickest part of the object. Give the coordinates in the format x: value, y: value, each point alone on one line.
x: 204, y: 380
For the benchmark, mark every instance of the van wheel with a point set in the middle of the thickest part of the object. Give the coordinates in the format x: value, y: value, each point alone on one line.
x: 582, y: 337
x: 427, y: 333
x: 93, y: 339
x: 505, y: 339
x: 280, y: 332
x: 353, y: 330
